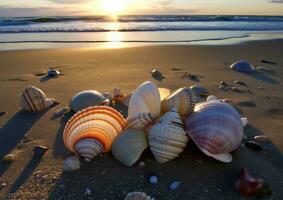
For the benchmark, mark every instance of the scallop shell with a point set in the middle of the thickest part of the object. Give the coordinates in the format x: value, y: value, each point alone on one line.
x: 216, y: 128
x: 128, y: 146
x: 140, y: 121
x: 183, y: 99
x: 137, y: 196
x: 92, y: 130
x: 242, y: 66
x: 86, y: 99
x: 167, y: 138
x: 34, y: 100
x: 145, y: 99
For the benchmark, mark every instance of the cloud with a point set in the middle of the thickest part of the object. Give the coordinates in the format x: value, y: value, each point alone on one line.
x: 275, y: 1
x: 165, y: 2
x: 70, y: 1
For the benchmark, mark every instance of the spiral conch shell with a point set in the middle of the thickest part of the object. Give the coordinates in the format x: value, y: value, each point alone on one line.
x: 216, y: 128
x: 92, y: 130
x: 129, y: 145
x: 145, y: 99
x: 183, y: 99
x: 34, y: 100
x: 138, y: 196
x: 167, y: 138
x: 140, y: 121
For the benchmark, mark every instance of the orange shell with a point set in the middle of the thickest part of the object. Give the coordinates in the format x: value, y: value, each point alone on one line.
x: 95, y: 132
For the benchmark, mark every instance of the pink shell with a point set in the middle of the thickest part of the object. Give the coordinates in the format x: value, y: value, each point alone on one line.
x: 216, y: 128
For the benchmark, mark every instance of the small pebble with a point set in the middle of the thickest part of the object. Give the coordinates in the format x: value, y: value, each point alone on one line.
x: 224, y: 88
x: 224, y: 83
x: 9, y: 158
x: 153, y: 179
x: 241, y: 83
x: 260, y: 138
x: 174, y: 185
x: 72, y: 163
x: 141, y: 164
x: 156, y: 73
x: 88, y: 192
x: 254, y: 145
x: 53, y: 72
x: 39, y: 151
x: 230, y: 101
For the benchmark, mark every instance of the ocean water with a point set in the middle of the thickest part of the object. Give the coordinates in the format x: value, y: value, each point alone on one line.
x: 47, y: 32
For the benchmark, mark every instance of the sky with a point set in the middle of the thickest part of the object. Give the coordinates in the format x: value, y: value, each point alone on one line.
x: 11, y: 8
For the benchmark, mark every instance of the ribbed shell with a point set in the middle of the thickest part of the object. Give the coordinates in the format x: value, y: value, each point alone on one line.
x: 128, y: 146
x: 183, y: 99
x: 86, y: 99
x: 140, y: 121
x: 145, y: 99
x: 216, y: 128
x: 88, y: 148
x: 101, y: 123
x: 34, y: 100
x: 137, y: 196
x: 167, y: 138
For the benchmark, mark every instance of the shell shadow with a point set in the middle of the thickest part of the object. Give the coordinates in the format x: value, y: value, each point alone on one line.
x: 14, y: 130
x: 159, y: 78
x: 47, y: 78
x: 262, y: 77
x: 59, y: 149
x: 25, y: 174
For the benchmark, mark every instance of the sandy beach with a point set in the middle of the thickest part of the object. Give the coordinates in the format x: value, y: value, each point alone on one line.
x: 103, y: 69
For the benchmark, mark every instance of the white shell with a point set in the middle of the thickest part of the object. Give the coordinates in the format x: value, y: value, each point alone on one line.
x: 71, y: 163
x: 34, y: 100
x: 128, y: 146
x: 140, y: 121
x: 88, y: 148
x: 216, y: 128
x: 183, y: 99
x: 211, y: 97
x: 145, y: 99
x: 138, y: 196
x: 86, y: 99
x: 167, y: 138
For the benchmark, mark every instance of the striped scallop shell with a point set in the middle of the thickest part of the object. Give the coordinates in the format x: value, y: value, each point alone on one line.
x: 140, y: 121
x: 100, y: 123
x: 34, y: 100
x: 183, y: 99
x: 129, y: 145
x: 137, y: 196
x: 216, y: 128
x: 145, y: 99
x: 167, y: 138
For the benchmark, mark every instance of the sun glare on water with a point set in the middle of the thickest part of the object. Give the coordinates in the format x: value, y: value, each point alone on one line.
x: 112, y: 7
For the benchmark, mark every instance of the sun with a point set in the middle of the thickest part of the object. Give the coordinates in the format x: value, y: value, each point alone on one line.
x: 112, y: 7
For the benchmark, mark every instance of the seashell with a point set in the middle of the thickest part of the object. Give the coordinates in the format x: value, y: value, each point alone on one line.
x: 53, y: 72
x: 39, y: 151
x: 242, y: 66
x: 167, y: 138
x: 241, y: 83
x: 72, y: 163
x: 224, y: 88
x: 224, y: 83
x: 86, y: 99
x: 211, y: 97
x: 137, y: 196
x: 145, y: 99
x: 9, y: 158
x: 236, y: 89
x: 156, y: 73
x: 128, y: 146
x: 183, y: 99
x: 200, y: 91
x: 249, y: 186
x: 164, y: 93
x: 260, y: 138
x: 216, y: 128
x: 34, y: 100
x: 140, y: 121
x: 92, y: 130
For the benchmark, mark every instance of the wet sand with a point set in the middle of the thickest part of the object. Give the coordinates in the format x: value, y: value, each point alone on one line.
x: 104, y: 69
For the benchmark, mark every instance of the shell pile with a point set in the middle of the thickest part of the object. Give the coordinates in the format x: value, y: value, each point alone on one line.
x: 128, y: 146
x: 34, y: 100
x: 183, y: 99
x: 216, y: 128
x: 92, y: 130
x: 167, y: 138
